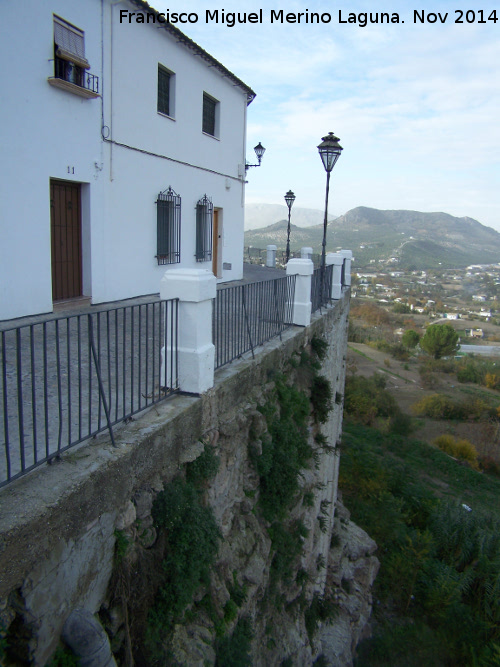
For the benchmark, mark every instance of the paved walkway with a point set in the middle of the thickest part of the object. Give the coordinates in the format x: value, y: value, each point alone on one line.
x: 49, y: 386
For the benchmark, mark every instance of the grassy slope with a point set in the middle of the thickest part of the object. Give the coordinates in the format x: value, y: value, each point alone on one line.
x: 400, y: 491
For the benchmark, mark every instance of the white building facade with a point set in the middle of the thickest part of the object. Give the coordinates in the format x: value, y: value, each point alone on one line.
x: 123, y: 155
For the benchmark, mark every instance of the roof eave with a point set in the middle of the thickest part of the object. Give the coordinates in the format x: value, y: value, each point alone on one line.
x: 189, y: 43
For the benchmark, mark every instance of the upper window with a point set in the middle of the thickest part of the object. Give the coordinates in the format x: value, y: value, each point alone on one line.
x: 204, y: 219
x: 70, y: 64
x: 210, y: 116
x: 165, y: 91
x: 168, y: 227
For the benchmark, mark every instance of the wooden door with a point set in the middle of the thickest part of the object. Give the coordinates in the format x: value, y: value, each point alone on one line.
x: 66, y: 238
x: 215, y: 244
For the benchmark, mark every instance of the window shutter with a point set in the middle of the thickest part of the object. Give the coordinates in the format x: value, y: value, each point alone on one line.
x: 70, y: 43
x: 209, y: 105
x: 163, y: 91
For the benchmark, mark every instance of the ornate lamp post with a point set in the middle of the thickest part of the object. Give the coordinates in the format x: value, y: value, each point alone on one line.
x: 329, y: 152
x: 289, y: 198
x: 259, y: 152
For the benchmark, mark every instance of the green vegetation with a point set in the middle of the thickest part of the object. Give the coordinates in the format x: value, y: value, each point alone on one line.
x: 63, y: 657
x: 234, y: 651
x: 204, y: 467
x: 367, y: 402
x: 440, y: 340
x: 439, y: 406
x: 321, y: 398
x: 191, y: 541
x: 438, y: 589
x: 410, y: 339
x: 321, y: 609
x: 285, y: 451
x: 121, y: 545
x: 458, y: 447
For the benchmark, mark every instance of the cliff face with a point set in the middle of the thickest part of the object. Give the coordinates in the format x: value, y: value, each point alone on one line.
x: 213, y: 532
x: 291, y: 569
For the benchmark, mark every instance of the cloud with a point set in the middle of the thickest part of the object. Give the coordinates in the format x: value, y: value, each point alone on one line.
x: 416, y: 108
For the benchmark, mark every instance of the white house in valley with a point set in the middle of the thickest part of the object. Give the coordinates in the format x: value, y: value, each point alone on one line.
x: 123, y: 154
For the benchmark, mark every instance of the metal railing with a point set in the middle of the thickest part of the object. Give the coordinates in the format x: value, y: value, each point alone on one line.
x: 246, y: 316
x: 68, y: 71
x: 258, y: 256
x: 321, y: 296
x: 63, y: 380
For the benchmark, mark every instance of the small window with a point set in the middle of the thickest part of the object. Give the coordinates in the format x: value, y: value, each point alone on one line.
x: 210, y: 115
x: 70, y: 64
x: 165, y: 91
x: 168, y: 227
x: 204, y: 218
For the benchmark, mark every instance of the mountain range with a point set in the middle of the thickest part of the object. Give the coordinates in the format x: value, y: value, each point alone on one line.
x: 415, y: 239
x: 262, y: 215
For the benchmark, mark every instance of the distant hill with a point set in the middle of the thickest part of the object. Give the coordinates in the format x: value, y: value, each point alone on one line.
x: 263, y: 215
x: 415, y: 239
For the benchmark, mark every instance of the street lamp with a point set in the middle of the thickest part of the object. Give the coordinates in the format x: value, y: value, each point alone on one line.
x: 289, y: 198
x: 329, y: 152
x: 259, y: 152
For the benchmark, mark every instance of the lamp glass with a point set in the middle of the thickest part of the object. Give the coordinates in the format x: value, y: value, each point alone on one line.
x: 329, y: 151
x: 289, y: 198
x: 259, y: 151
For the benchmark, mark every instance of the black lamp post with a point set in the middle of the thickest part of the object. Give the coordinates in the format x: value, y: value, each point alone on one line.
x: 329, y: 151
x: 259, y: 152
x: 289, y: 198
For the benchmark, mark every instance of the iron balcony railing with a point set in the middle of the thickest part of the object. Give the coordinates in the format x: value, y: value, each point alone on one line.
x: 246, y: 316
x: 68, y: 71
x: 63, y: 380
x: 321, y: 287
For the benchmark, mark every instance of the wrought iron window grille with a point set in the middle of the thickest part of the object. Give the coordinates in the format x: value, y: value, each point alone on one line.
x: 168, y: 227
x: 204, y: 223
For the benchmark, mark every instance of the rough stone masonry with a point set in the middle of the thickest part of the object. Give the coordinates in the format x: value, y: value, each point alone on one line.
x: 58, y: 525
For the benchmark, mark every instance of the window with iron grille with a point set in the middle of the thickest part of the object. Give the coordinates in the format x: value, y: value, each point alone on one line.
x: 204, y: 218
x: 165, y: 102
x: 70, y: 64
x: 168, y: 227
x: 210, y: 115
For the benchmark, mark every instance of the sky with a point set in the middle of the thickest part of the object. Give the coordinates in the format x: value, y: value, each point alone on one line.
x: 416, y: 106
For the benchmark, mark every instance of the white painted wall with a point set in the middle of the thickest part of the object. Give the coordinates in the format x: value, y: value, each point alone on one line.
x: 44, y: 130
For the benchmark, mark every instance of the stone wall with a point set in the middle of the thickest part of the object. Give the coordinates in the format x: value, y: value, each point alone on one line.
x: 60, y: 525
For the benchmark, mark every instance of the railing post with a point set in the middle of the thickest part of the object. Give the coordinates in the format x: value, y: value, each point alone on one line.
x: 302, y: 306
x: 337, y: 259
x: 195, y: 289
x: 271, y: 256
x: 347, y: 254
x: 306, y: 252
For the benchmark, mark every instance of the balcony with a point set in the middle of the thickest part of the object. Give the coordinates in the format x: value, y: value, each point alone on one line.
x: 75, y: 79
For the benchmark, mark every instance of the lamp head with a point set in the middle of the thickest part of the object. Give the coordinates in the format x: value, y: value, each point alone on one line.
x: 329, y: 151
x: 289, y: 198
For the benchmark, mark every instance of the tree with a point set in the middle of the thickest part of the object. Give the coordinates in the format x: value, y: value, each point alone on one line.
x: 410, y: 339
x: 440, y: 340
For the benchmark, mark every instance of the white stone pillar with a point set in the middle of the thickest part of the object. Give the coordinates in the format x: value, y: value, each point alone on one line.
x: 347, y: 266
x: 302, y: 306
x: 271, y: 256
x: 337, y: 259
x: 195, y: 289
x: 306, y: 252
